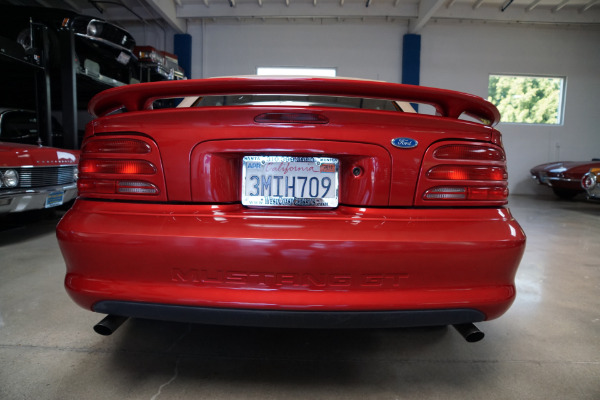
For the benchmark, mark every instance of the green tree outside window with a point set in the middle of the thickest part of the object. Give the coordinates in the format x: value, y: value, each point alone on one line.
x: 530, y: 100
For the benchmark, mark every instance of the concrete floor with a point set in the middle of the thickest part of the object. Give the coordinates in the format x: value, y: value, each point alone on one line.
x: 546, y: 347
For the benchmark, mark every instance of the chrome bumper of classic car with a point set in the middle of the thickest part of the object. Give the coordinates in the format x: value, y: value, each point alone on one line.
x: 19, y: 200
x: 594, y: 193
x: 547, y: 180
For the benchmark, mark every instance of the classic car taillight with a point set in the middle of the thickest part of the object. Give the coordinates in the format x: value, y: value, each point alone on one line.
x: 120, y: 166
x: 590, y: 179
x: 463, y: 174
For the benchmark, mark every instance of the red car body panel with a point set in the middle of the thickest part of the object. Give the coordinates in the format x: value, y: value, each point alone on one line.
x: 415, y: 229
x: 344, y: 259
x: 18, y: 155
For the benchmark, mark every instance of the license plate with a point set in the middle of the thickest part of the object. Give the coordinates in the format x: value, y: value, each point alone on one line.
x: 271, y: 181
x: 54, y: 199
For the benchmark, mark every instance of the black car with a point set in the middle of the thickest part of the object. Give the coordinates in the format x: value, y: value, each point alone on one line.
x: 103, y: 50
x: 21, y: 126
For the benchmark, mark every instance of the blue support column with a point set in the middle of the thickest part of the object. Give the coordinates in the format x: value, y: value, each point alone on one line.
x: 182, y: 47
x: 411, y: 61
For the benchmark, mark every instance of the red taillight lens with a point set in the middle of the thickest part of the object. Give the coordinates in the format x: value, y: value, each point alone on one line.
x: 467, y: 172
x: 475, y: 174
x: 120, y: 167
x: 100, y: 166
x: 468, y: 152
x: 589, y: 180
x: 484, y: 193
x: 498, y: 193
x: 119, y: 146
x: 95, y: 186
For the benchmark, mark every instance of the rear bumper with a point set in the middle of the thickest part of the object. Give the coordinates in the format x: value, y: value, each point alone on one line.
x: 290, y: 319
x: 347, y: 260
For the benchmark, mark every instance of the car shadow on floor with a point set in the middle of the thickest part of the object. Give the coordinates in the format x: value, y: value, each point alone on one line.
x: 201, y: 355
x: 20, y: 227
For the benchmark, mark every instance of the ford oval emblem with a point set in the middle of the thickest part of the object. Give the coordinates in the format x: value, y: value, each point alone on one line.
x: 404, y: 143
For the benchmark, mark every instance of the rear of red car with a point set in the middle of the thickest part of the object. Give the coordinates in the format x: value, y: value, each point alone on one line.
x: 289, y: 214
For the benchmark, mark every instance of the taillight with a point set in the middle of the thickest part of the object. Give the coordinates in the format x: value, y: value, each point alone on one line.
x: 136, y: 187
x: 487, y: 193
x: 469, y: 152
x: 118, y: 167
x: 590, y: 179
x: 463, y: 174
x: 120, y: 146
x: 467, y: 173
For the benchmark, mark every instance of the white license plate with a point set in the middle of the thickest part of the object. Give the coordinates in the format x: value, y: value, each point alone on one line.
x: 54, y: 199
x: 270, y: 181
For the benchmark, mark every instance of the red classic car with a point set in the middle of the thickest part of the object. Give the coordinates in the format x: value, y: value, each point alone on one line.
x: 33, y: 176
x: 296, y: 202
x: 36, y: 177
x: 564, y: 177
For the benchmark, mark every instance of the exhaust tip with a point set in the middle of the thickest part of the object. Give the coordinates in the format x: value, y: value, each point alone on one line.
x: 469, y: 332
x: 109, y: 325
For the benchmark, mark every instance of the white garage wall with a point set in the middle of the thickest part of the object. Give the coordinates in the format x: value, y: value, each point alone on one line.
x: 366, y: 50
x: 454, y: 56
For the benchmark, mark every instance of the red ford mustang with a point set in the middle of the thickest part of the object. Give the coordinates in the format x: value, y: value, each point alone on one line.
x: 292, y: 202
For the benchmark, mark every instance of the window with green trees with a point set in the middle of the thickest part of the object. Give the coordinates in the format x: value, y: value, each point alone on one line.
x: 528, y: 99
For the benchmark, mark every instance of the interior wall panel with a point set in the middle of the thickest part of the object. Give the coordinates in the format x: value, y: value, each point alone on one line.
x: 368, y: 50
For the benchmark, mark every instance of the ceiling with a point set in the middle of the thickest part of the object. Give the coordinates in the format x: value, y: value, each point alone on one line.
x: 418, y: 13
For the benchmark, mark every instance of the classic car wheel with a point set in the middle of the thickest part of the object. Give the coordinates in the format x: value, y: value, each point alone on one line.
x: 566, y: 194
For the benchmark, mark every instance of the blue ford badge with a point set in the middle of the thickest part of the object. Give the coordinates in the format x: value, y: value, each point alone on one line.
x: 404, y: 143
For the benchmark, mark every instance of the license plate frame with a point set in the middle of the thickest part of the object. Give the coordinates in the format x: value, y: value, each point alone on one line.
x: 266, y: 181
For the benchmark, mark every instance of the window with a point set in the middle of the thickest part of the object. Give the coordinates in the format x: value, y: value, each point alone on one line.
x: 297, y: 100
x: 528, y: 99
x: 297, y: 71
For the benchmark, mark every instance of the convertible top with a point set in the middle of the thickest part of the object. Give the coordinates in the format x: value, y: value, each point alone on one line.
x: 140, y: 97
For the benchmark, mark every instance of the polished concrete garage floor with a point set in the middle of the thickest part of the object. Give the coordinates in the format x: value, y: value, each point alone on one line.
x: 546, y: 347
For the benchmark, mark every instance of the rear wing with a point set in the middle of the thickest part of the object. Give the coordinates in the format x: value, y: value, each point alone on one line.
x: 447, y: 103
